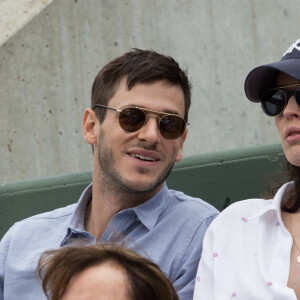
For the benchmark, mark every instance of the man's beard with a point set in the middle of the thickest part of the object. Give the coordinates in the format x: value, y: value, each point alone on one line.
x: 111, y: 178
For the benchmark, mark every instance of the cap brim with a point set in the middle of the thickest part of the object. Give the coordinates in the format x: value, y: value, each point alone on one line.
x: 262, y: 78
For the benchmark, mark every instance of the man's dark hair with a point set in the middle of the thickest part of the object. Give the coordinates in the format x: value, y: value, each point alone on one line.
x: 146, y: 281
x: 138, y: 66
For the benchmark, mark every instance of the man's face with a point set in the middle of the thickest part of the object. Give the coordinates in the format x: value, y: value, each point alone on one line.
x: 139, y: 162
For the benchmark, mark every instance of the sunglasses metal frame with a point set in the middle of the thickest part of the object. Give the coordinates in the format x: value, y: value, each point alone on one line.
x: 287, y: 93
x: 147, y: 112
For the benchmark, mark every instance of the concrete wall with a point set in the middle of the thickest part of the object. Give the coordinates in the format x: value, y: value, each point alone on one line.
x: 48, y: 66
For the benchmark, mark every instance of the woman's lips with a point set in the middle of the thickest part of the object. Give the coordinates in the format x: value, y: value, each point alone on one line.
x: 292, y: 134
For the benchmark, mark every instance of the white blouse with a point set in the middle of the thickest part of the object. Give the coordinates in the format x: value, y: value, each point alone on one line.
x: 246, y: 253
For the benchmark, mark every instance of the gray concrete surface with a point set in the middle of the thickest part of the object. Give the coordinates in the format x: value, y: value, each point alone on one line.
x: 15, y: 14
x: 48, y: 65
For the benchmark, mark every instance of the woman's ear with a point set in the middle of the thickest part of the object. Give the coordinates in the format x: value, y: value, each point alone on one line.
x: 90, y: 126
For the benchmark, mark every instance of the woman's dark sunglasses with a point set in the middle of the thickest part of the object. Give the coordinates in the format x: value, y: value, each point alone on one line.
x: 133, y: 118
x: 274, y: 101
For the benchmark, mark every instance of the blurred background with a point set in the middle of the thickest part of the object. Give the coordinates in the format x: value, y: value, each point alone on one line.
x: 51, y: 50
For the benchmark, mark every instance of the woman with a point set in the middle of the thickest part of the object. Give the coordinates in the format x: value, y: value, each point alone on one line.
x: 252, y: 250
x: 102, y: 272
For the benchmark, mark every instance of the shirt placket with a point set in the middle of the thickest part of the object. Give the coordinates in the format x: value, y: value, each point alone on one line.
x: 280, y: 264
x: 119, y: 226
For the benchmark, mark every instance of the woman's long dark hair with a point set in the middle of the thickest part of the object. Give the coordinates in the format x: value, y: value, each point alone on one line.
x: 292, y: 204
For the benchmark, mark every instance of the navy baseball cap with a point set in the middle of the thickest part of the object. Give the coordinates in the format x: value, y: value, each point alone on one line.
x: 262, y: 78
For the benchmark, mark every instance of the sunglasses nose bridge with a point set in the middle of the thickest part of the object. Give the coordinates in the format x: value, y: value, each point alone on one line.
x: 288, y: 95
x: 291, y: 103
x: 291, y: 95
x: 150, y: 130
x: 150, y: 114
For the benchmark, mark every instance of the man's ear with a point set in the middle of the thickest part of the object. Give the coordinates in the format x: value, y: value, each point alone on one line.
x: 90, y: 126
x: 179, y: 153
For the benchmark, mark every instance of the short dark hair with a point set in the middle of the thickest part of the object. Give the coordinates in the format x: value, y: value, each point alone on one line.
x: 138, y: 66
x: 147, y: 282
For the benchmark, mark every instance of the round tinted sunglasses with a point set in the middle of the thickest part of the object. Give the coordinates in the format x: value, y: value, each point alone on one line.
x: 133, y: 118
x: 274, y: 101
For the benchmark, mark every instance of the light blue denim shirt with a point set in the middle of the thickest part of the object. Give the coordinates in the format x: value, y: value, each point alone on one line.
x: 168, y: 228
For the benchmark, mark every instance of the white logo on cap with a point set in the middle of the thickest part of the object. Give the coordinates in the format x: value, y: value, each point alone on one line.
x: 294, y: 46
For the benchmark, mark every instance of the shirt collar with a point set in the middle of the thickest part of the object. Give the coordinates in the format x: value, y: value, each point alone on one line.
x: 149, y: 211
x: 78, y: 216
x: 275, y: 205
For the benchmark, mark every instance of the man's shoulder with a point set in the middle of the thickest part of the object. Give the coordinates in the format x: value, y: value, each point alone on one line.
x: 57, y: 213
x: 40, y: 221
x: 192, y: 205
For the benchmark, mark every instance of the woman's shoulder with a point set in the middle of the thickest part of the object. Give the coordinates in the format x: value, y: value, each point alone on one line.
x: 254, y: 206
x: 247, y: 205
x: 241, y: 210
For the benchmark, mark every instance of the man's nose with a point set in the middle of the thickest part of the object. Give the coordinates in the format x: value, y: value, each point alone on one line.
x: 150, y: 131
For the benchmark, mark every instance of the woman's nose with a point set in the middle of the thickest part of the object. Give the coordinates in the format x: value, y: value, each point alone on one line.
x: 292, y: 109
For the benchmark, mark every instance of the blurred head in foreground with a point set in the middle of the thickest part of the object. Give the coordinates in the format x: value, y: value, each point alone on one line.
x: 102, y: 272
